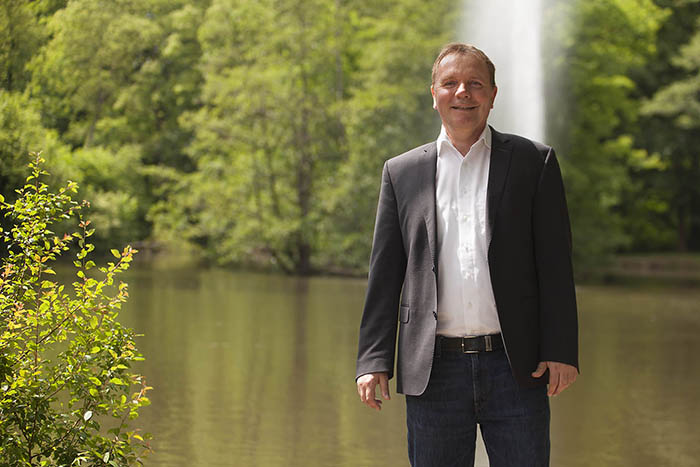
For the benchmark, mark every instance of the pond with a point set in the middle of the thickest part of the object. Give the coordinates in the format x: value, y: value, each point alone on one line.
x: 258, y: 370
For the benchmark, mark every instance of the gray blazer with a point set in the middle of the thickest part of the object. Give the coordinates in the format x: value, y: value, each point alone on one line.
x: 529, y: 260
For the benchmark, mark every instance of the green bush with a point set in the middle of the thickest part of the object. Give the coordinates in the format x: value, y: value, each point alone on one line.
x: 67, y: 388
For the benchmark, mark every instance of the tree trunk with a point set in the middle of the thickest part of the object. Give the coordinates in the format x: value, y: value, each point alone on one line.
x: 682, y: 239
x: 693, y: 238
x: 304, y: 172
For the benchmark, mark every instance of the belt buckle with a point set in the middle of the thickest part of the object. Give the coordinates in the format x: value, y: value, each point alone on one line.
x: 468, y: 351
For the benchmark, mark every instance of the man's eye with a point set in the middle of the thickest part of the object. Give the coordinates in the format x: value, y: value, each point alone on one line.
x: 449, y: 83
x: 475, y: 84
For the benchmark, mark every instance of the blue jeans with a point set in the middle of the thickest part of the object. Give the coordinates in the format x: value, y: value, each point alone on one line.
x: 469, y: 389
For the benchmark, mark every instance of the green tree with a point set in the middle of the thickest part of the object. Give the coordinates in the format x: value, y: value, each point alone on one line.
x: 388, y: 111
x: 21, y: 34
x: 593, y: 112
x: 66, y: 380
x: 670, y: 126
x: 21, y: 132
x: 267, y: 135
x: 94, y: 49
x: 113, y: 81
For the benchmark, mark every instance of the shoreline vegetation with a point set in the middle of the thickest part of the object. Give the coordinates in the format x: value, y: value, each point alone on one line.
x: 659, y: 268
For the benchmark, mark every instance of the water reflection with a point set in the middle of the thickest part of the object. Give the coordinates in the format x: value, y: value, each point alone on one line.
x: 257, y: 370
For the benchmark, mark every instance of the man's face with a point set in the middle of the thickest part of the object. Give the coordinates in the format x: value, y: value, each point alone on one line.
x: 463, y: 94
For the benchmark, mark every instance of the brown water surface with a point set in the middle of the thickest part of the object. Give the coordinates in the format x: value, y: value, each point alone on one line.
x: 257, y: 370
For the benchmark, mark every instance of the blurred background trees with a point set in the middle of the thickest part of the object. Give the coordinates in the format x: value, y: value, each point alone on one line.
x: 253, y: 132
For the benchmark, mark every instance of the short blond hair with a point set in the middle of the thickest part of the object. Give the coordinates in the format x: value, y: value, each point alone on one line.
x: 461, y: 48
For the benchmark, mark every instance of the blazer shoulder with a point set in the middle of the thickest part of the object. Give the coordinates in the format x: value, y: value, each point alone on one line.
x: 412, y: 157
x: 525, y: 147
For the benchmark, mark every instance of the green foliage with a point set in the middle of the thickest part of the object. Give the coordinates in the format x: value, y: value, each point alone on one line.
x: 67, y: 388
x: 118, y: 208
x: 21, y: 132
x: 267, y: 135
x: 94, y: 48
x: 672, y: 121
x: 113, y: 80
x: 603, y: 42
x: 20, y: 36
x: 388, y: 112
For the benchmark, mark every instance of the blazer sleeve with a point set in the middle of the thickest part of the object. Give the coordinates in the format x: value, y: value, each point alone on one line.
x: 557, y: 294
x: 387, y: 268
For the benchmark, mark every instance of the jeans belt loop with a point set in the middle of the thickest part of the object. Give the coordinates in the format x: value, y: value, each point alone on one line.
x: 487, y: 340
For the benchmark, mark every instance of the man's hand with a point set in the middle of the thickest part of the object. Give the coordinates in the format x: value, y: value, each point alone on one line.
x: 561, y: 376
x: 366, y: 385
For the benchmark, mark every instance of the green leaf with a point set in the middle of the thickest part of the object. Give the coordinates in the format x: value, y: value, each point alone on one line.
x: 117, y: 381
x: 116, y: 253
x: 94, y: 392
x: 105, y: 458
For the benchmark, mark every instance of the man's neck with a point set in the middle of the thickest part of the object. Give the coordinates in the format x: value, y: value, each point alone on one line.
x: 462, y: 142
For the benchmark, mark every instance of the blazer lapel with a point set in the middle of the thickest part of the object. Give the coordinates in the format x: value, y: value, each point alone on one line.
x: 426, y: 197
x: 501, y: 151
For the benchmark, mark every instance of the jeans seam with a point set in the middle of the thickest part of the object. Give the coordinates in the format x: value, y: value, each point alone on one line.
x: 475, y: 384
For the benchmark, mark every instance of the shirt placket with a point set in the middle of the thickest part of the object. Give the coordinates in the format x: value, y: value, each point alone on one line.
x: 465, y: 202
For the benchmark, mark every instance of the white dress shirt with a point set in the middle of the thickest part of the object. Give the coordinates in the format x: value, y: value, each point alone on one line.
x: 466, y: 306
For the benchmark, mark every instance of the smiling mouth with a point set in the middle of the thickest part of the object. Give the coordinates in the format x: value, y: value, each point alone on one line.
x: 464, y: 107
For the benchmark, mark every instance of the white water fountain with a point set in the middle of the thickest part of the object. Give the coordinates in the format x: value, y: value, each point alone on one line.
x: 508, y: 31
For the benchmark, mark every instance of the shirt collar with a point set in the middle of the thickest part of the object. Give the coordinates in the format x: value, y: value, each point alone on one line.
x: 443, y: 139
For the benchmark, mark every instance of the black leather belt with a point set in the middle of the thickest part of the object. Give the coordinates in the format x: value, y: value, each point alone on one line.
x: 470, y: 344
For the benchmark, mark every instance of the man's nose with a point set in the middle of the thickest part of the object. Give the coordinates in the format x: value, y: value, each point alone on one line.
x: 462, y: 90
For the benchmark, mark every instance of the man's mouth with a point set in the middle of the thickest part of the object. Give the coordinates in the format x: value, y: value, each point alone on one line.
x: 464, y: 107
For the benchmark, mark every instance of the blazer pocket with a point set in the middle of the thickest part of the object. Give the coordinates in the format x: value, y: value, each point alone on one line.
x: 403, y: 313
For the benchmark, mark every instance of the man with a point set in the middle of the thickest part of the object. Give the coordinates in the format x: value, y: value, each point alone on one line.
x: 472, y: 247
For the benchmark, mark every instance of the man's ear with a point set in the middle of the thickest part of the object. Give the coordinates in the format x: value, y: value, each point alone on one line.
x: 493, y: 98
x: 432, y: 92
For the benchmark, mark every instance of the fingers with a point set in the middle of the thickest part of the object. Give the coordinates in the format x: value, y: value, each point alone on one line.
x: 541, y: 368
x: 554, y: 380
x: 561, y: 376
x: 567, y: 377
x: 384, y: 386
x: 366, y: 385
